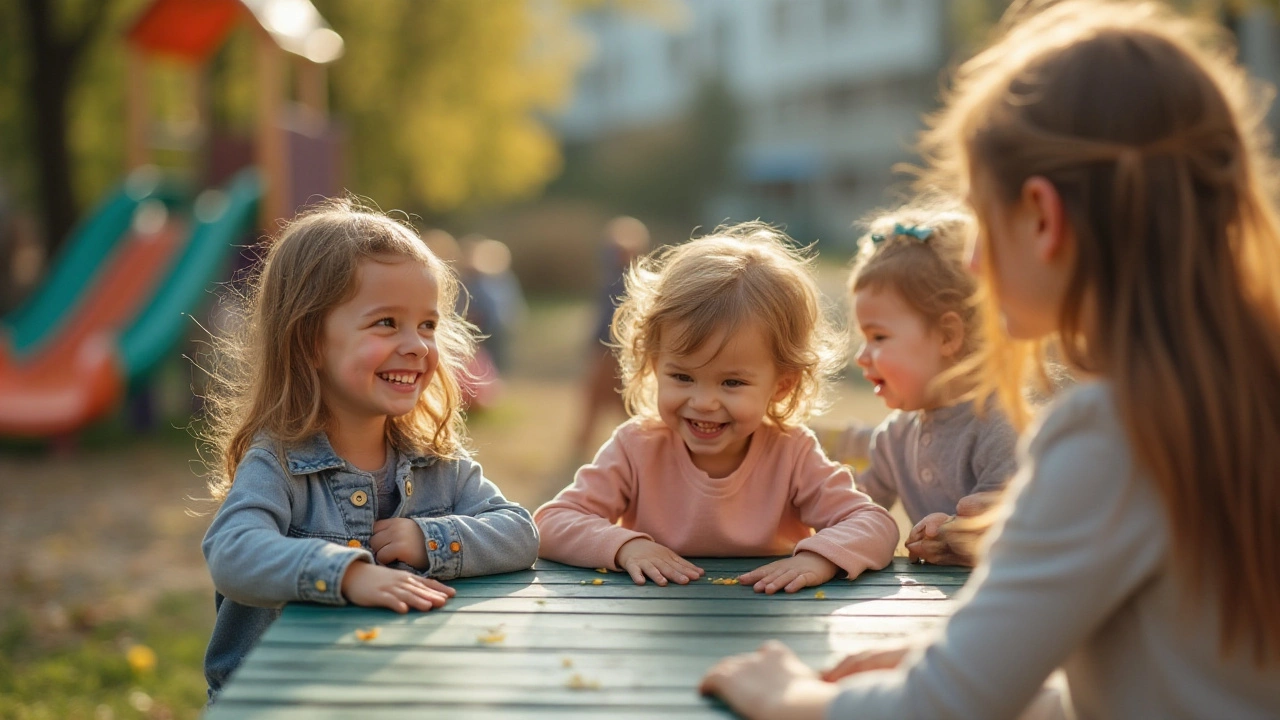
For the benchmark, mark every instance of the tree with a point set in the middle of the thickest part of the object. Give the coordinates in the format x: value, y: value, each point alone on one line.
x: 443, y: 98
x: 55, y: 52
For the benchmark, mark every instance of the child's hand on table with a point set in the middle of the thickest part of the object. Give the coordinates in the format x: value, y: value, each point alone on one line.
x: 939, y: 540
x: 641, y: 557
x: 376, y: 586
x: 804, y: 569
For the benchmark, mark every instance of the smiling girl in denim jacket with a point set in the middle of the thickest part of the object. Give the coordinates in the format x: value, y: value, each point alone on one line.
x: 337, y: 437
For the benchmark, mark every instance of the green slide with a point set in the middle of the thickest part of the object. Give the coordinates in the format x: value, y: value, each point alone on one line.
x: 86, y: 345
x: 91, y: 243
x: 222, y: 218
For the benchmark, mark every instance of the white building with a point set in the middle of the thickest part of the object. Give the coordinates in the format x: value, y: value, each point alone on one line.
x: 830, y: 92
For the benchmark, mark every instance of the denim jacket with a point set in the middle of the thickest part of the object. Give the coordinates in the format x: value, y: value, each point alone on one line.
x: 296, y: 517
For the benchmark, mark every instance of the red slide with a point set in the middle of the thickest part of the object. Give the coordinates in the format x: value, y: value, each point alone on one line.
x: 76, y: 376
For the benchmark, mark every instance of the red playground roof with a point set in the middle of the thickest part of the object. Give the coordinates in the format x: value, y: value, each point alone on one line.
x: 192, y: 30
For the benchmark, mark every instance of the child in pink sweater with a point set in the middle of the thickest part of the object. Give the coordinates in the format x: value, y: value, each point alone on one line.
x: 724, y: 351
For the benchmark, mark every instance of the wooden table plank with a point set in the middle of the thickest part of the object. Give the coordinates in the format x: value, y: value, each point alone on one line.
x: 550, y: 642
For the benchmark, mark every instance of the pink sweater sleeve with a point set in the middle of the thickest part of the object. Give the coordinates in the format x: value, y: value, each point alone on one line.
x: 578, y: 527
x: 852, y: 530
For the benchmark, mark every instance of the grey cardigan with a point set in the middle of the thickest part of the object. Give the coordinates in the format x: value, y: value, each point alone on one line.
x: 1078, y: 576
x: 295, y: 518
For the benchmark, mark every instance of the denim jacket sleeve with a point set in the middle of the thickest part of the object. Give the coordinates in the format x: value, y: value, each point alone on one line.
x: 250, y: 555
x: 484, y: 535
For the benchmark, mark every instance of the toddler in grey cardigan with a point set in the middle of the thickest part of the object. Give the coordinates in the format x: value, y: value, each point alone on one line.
x: 913, y: 305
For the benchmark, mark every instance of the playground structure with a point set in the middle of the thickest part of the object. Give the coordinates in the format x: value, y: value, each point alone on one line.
x: 115, y: 303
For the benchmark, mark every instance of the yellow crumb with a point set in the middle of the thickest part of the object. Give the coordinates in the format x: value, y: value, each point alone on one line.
x: 724, y: 581
x: 577, y: 682
x: 367, y: 635
x: 494, y: 635
x: 566, y: 662
x: 541, y: 602
x: 597, y: 581
x: 819, y: 595
x: 604, y: 571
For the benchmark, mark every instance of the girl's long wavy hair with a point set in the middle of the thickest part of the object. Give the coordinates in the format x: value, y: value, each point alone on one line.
x: 1150, y: 133
x: 679, y: 297
x: 265, y: 371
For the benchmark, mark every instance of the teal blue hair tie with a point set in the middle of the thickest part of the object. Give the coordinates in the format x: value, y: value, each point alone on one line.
x: 919, y: 232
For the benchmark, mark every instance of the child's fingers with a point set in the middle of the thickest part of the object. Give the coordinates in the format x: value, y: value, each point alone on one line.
x: 673, y: 572
x: 420, y: 589
x: 388, y: 599
x: 634, y: 571
x: 774, y: 581
x: 679, y: 569
x: 783, y: 581
x: 692, y: 571
x: 388, y: 554
x: 419, y: 598
x: 917, y: 533
x: 437, y: 586
x: 750, y: 578
x: 654, y: 573
x: 799, y: 582
x: 976, y: 504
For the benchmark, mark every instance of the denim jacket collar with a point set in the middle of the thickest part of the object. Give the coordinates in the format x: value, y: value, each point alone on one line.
x: 315, y: 454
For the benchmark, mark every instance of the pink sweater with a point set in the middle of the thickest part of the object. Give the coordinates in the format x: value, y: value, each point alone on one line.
x: 642, y: 483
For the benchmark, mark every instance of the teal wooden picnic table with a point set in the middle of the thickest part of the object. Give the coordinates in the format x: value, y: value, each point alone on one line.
x: 559, y: 641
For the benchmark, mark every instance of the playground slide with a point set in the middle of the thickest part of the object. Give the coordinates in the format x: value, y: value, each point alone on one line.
x: 92, y: 242
x: 127, y: 318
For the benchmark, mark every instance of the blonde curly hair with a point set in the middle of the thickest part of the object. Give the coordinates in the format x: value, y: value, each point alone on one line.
x: 679, y: 297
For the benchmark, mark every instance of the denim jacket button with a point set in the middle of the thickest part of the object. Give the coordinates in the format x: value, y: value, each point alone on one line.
x: 322, y: 585
x: 455, y: 546
x: 408, y: 487
x: 432, y: 544
x: 359, y: 498
x: 353, y: 543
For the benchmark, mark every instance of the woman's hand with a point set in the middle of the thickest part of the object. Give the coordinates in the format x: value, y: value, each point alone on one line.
x: 881, y: 659
x: 769, y: 683
x: 804, y: 569
x: 376, y: 586
x: 641, y: 557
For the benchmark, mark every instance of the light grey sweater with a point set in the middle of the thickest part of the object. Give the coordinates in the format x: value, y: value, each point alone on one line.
x: 1076, y: 577
x: 930, y: 458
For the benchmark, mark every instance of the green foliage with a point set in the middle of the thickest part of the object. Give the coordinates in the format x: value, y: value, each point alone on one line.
x: 443, y: 101
x: 441, y: 98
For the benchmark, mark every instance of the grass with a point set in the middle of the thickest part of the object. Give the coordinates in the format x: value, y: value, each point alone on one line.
x: 105, y: 672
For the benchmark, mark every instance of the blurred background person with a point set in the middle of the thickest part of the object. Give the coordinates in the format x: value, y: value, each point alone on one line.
x: 625, y: 240
x: 497, y: 301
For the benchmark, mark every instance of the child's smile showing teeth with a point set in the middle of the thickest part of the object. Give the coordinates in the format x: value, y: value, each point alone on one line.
x: 704, y: 429
x: 402, y: 379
